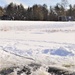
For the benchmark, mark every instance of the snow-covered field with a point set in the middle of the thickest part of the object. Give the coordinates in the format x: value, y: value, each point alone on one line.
x: 46, y: 43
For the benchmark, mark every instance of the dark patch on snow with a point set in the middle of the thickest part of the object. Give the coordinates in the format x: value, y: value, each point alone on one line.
x: 27, y: 69
x: 7, y: 71
x: 34, y: 66
x: 59, y: 71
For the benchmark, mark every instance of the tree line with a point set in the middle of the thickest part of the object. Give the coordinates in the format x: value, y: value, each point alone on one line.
x: 38, y: 12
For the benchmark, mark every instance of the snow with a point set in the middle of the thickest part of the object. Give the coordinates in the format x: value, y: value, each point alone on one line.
x: 61, y: 52
x: 48, y: 43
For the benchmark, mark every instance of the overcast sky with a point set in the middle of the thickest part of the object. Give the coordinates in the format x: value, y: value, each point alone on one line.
x: 27, y: 3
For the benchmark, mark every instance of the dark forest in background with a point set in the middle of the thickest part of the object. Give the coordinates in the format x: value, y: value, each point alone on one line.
x: 38, y: 12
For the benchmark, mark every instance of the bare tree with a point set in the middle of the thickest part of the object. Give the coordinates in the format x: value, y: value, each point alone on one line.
x: 64, y: 4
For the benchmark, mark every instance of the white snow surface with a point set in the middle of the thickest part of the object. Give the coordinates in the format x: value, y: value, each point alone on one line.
x: 48, y: 43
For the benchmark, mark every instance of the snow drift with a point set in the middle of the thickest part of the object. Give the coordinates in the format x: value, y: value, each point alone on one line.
x: 46, y: 43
